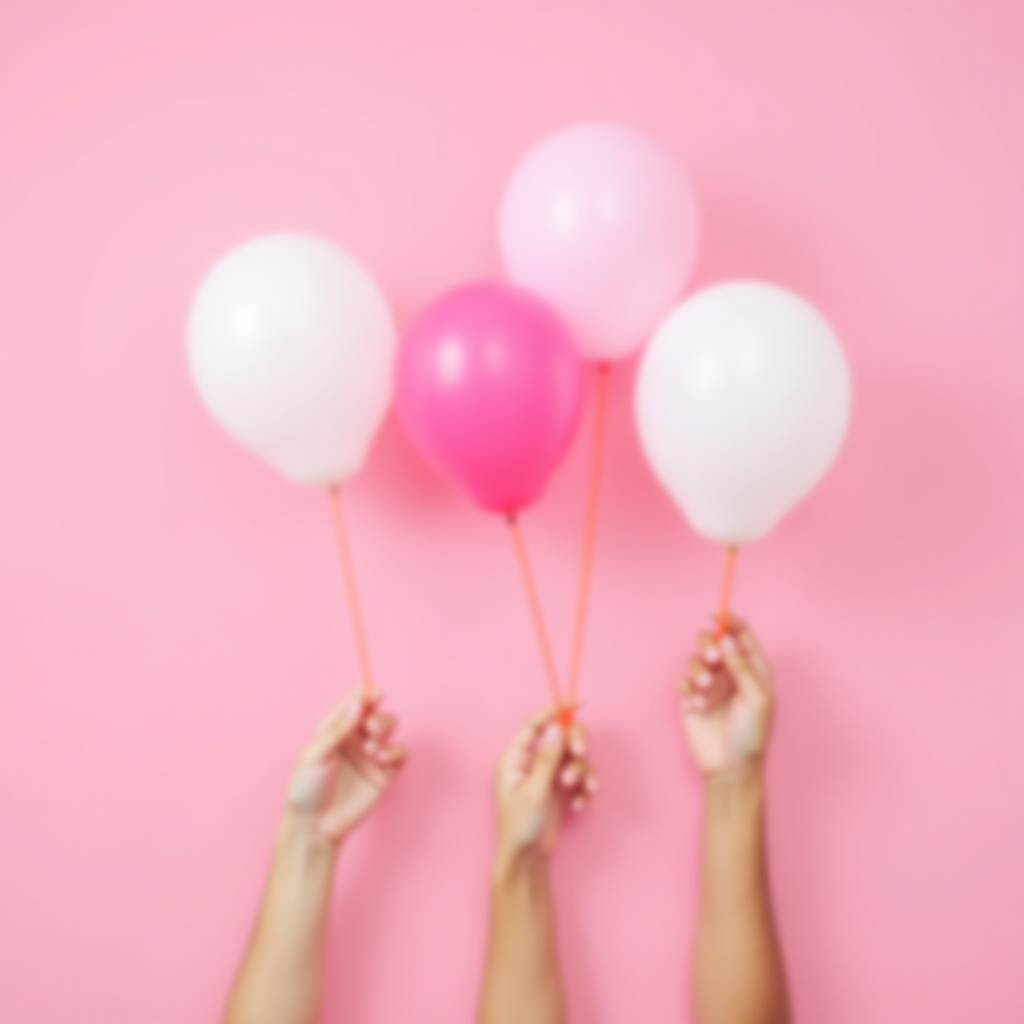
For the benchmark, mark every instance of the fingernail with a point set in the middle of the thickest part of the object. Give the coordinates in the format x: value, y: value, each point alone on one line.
x: 697, y: 702
x: 577, y: 804
x: 552, y: 736
x: 370, y: 747
x: 712, y: 653
x: 728, y: 644
x: 704, y: 678
x: 568, y: 777
x: 578, y: 745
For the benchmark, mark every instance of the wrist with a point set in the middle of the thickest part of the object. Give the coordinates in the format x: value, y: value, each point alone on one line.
x: 512, y: 864
x: 298, y: 834
x: 744, y: 776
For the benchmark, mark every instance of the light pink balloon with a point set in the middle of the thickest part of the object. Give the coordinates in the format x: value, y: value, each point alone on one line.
x: 601, y: 221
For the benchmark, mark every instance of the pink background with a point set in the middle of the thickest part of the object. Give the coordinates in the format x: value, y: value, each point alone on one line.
x: 172, y: 614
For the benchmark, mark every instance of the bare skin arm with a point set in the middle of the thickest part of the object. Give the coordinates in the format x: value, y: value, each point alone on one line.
x: 540, y: 773
x: 341, y: 775
x: 727, y: 700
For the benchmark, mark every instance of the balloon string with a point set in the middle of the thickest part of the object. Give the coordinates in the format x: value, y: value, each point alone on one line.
x: 355, y: 608
x: 535, y: 611
x: 727, y: 582
x: 589, y: 532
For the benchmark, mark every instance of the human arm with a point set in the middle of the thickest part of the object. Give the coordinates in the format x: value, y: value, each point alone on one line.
x: 541, y: 771
x: 341, y: 775
x: 738, y: 973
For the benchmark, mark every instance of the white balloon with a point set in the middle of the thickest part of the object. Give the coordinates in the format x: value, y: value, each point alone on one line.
x: 742, y: 403
x: 292, y: 348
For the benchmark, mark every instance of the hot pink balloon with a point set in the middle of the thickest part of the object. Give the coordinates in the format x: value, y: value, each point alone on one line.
x: 490, y: 387
x: 601, y: 221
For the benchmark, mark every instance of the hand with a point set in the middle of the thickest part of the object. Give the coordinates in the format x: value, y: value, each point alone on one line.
x: 542, y: 769
x: 727, y: 700
x: 345, y: 769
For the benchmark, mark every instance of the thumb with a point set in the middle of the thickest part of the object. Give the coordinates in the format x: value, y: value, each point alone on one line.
x: 743, y: 673
x: 546, y: 762
x: 336, y: 728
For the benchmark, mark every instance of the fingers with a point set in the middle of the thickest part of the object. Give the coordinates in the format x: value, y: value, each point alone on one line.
x: 724, y: 665
x: 577, y: 782
x: 527, y: 733
x: 709, y: 650
x: 374, y: 733
x: 751, y: 684
x: 703, y: 687
x: 750, y: 646
x: 744, y: 635
x: 572, y: 774
x: 556, y: 768
x: 745, y: 660
x: 337, y: 727
x: 711, y: 666
x: 392, y: 757
x: 379, y: 725
x: 514, y: 762
x: 735, y: 624
x: 577, y: 739
x: 546, y: 761
x: 371, y: 744
x: 357, y: 725
x: 379, y: 769
x: 577, y: 779
x: 588, y: 789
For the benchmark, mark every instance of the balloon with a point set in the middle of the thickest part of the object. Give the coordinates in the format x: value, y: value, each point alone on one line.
x: 292, y: 348
x: 742, y: 402
x: 601, y: 222
x: 491, y: 390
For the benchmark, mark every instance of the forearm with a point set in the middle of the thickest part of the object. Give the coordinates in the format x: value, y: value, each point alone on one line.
x: 521, y: 978
x: 281, y: 977
x: 738, y: 974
